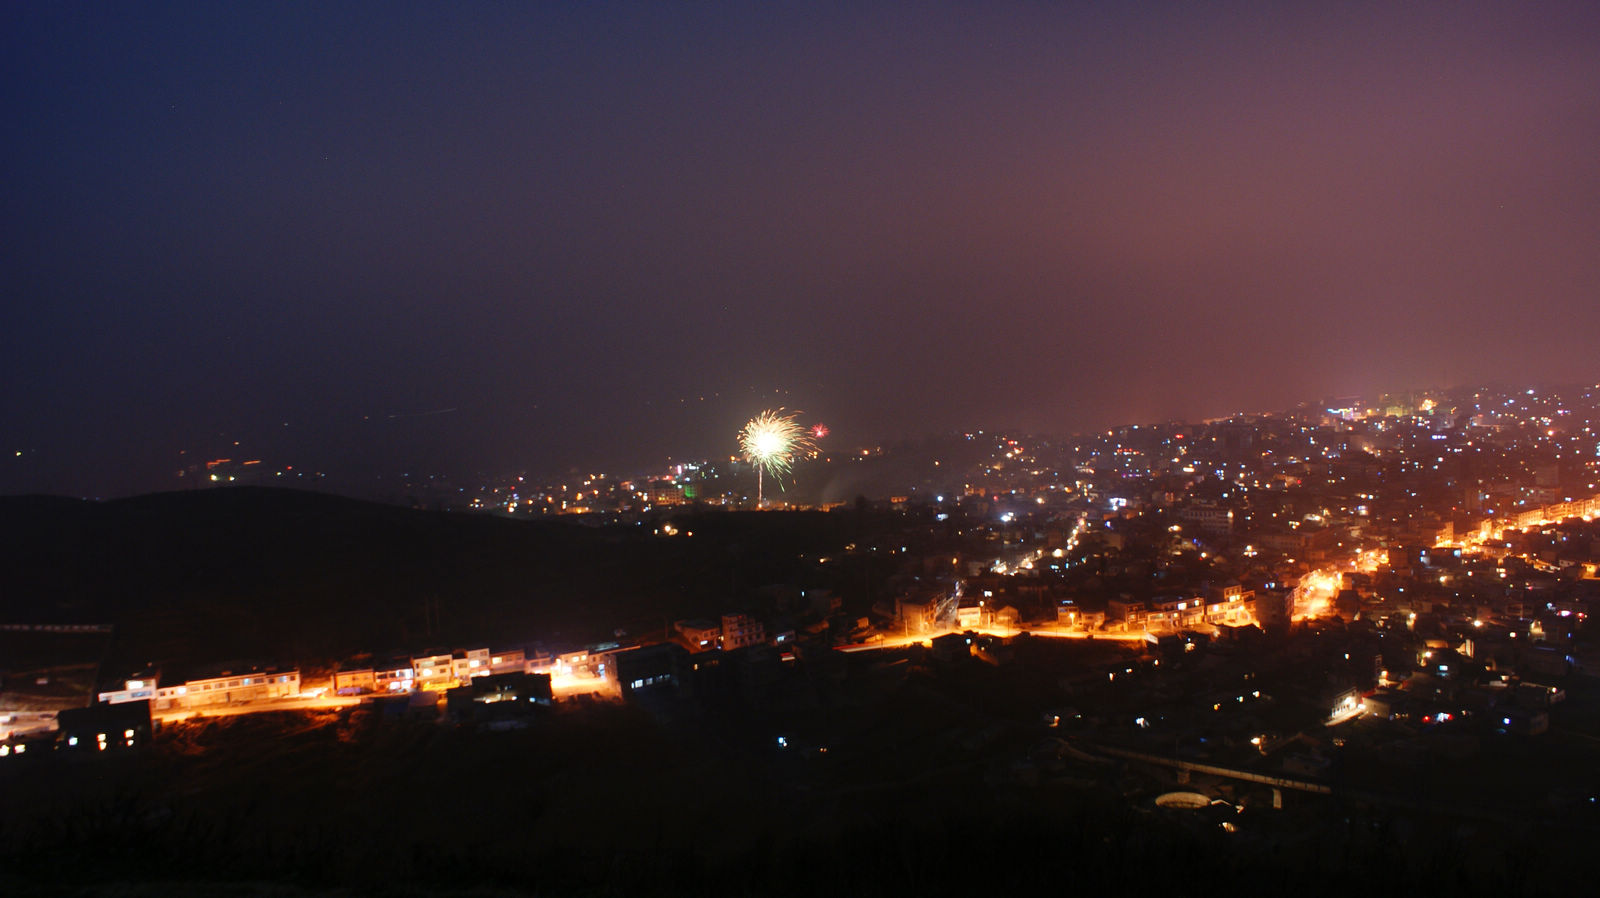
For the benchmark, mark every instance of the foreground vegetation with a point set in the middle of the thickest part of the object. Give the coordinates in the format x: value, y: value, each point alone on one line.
x: 605, y: 799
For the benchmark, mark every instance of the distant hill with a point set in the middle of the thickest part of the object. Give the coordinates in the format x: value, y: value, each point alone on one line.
x: 280, y: 575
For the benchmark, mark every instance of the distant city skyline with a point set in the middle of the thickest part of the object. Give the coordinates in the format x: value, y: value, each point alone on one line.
x: 495, y: 237
x: 279, y: 463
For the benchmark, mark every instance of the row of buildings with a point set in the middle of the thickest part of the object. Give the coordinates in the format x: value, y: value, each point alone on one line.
x: 435, y: 671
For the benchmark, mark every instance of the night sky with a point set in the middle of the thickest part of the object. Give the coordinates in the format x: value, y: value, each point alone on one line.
x: 504, y: 236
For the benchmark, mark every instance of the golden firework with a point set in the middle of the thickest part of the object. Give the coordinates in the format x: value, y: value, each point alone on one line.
x: 771, y: 441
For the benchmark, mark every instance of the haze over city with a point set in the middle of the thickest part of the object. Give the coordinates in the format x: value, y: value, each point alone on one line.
x: 544, y: 237
x: 629, y: 448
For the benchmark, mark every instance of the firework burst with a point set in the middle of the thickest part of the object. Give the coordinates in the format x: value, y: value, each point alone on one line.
x: 770, y: 442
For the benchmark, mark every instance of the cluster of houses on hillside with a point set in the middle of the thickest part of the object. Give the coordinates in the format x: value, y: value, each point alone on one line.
x: 471, y: 679
x: 740, y: 646
x: 937, y: 609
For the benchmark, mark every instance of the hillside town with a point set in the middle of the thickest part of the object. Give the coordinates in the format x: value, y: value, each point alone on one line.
x: 1317, y: 599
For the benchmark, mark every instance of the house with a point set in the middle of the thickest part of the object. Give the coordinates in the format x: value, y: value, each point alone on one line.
x: 1230, y: 605
x: 106, y: 726
x: 1131, y: 612
x: 926, y: 611
x: 970, y: 614
x: 228, y: 688
x: 1007, y: 617
x: 500, y: 701
x: 1174, y: 612
x: 698, y: 635
x: 395, y: 676
x: 1389, y: 703
x: 1273, y: 608
x: 141, y: 687
x: 602, y: 658
x: 465, y: 665
x: 952, y: 647
x: 358, y: 681
x: 507, y: 662
x: 1230, y: 635
x: 1207, y: 518
x: 574, y: 663
x: 661, y: 669
x: 740, y: 630
x: 433, y: 671
x: 1091, y: 620
x: 1342, y: 703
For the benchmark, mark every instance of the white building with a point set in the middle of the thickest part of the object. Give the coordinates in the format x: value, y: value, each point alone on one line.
x: 433, y: 671
x: 228, y: 689
x: 471, y: 663
x: 135, y: 690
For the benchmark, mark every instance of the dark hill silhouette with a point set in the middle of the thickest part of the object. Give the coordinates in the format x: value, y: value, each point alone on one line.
x: 280, y: 575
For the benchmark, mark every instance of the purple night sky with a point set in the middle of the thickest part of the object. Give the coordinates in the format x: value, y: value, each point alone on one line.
x: 302, y: 225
